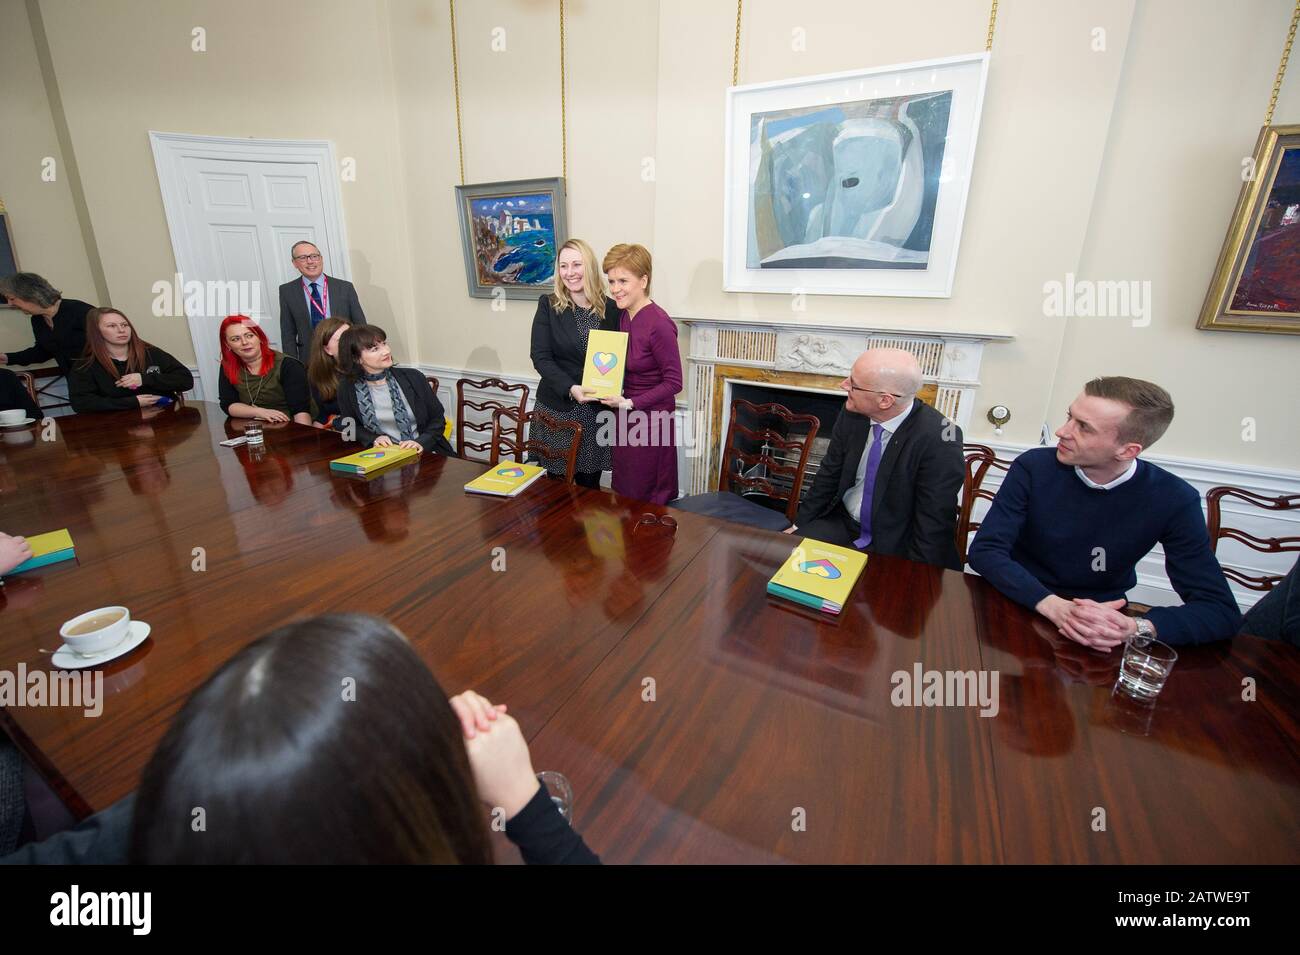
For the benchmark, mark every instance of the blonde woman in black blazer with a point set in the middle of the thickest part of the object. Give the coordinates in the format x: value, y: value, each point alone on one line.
x: 564, y: 319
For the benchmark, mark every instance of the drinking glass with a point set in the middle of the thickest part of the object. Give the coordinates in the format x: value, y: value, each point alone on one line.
x: 1145, y: 667
x: 561, y: 792
x: 253, y: 432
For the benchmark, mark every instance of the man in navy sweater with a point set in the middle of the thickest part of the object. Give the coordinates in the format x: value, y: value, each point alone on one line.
x: 1070, y: 524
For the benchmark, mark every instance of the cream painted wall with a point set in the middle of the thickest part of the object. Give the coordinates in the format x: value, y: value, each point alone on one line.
x: 1169, y: 185
x: 510, y: 104
x: 1041, y: 143
x: 296, y: 70
x: 1114, y: 164
x: 42, y: 214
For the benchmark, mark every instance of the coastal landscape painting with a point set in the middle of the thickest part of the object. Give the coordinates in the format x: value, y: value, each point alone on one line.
x: 510, y: 232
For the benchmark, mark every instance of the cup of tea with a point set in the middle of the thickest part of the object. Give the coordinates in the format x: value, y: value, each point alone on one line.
x: 96, y: 630
x: 12, y: 416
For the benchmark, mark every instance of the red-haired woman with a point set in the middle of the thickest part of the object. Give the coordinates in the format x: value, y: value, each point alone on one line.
x: 257, y: 381
x: 119, y: 370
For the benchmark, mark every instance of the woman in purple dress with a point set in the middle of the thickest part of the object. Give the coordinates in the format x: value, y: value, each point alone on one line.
x: 645, y: 452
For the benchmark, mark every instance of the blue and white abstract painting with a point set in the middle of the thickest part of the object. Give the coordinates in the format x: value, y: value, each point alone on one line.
x: 850, y: 185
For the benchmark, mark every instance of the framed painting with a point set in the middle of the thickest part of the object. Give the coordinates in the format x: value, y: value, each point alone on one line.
x: 1256, y: 284
x: 851, y: 183
x: 8, y: 254
x: 510, y: 232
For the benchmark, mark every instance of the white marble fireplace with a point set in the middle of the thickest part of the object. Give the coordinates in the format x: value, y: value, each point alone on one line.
x: 809, y: 358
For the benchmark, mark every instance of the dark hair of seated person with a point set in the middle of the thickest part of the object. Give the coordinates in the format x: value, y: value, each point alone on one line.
x: 287, y: 769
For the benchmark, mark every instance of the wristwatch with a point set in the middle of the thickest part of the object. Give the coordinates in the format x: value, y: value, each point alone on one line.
x: 1145, y: 631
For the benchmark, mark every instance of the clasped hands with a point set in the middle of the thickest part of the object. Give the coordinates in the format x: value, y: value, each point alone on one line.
x: 498, y: 753
x: 1101, y: 626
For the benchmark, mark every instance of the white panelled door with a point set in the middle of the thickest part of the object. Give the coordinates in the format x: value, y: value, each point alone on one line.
x: 235, y: 208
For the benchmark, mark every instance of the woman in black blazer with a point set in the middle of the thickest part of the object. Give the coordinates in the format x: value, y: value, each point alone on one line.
x: 389, y: 405
x: 563, y: 321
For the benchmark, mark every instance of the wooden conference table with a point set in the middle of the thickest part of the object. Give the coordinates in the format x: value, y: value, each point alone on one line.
x: 771, y: 736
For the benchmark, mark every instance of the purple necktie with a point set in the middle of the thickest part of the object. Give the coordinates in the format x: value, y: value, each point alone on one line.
x: 869, y: 485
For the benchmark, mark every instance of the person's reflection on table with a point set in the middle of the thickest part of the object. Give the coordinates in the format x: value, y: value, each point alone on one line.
x: 270, y: 476
x: 1034, y: 715
x: 154, y: 431
x: 383, y: 503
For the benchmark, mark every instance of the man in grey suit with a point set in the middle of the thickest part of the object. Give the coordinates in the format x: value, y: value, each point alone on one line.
x: 306, y: 302
x: 892, y: 473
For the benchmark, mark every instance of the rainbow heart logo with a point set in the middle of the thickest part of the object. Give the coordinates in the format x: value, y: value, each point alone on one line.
x: 370, y: 455
x: 820, y: 568
x: 511, y: 472
x: 604, y: 361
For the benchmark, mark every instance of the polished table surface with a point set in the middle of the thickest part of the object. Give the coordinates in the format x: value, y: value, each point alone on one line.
x: 698, y: 719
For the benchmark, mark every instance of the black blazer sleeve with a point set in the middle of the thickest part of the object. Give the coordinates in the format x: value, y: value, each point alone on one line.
x: 429, y: 415
x: 34, y: 355
x: 543, y: 836
x: 293, y: 379
x: 288, y: 324
x: 613, y: 314
x: 936, y: 487
x: 820, y: 499
x: 14, y: 395
x: 85, y: 394
x: 542, y: 351
x: 171, y: 377
x: 349, y: 414
x: 227, y: 395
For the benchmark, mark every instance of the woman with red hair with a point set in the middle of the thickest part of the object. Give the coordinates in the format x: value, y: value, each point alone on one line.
x: 119, y: 370
x: 257, y: 381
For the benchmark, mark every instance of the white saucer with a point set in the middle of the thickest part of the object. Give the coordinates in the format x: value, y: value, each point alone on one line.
x: 65, y: 659
x: 18, y: 424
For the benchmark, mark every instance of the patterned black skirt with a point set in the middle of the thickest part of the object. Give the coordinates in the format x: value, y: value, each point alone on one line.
x: 592, y: 458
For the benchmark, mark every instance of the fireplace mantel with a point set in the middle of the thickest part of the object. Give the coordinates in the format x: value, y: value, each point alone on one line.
x: 950, y: 360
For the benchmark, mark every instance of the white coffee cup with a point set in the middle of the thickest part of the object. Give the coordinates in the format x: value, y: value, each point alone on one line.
x: 12, y: 416
x: 111, y: 631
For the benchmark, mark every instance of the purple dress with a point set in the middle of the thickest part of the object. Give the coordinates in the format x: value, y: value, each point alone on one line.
x: 645, y: 452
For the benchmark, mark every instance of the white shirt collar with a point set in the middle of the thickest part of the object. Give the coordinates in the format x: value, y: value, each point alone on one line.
x: 892, y: 424
x: 1132, y: 469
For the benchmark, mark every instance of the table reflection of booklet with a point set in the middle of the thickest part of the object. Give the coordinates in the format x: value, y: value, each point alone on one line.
x: 604, y: 534
x: 602, y: 373
x: 818, y: 575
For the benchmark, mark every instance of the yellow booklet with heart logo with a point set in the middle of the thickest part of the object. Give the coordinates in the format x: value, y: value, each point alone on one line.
x: 603, y: 370
x: 505, y: 479
x: 818, y: 575
x: 373, y: 459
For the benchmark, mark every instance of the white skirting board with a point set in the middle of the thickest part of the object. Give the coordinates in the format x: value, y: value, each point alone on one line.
x: 1153, y: 585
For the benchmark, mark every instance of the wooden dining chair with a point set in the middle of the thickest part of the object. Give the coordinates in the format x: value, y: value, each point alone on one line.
x: 503, y: 443
x: 1269, y: 545
x: 30, y: 384
x: 980, y: 459
x: 489, y: 403
x: 765, y: 453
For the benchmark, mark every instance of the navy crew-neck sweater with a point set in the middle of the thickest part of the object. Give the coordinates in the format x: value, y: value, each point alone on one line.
x: 1049, y: 533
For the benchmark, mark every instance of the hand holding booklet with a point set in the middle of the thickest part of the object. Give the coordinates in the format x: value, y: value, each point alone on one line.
x: 47, y: 549
x: 818, y: 575
x: 602, y: 372
x: 505, y: 479
x: 372, y: 459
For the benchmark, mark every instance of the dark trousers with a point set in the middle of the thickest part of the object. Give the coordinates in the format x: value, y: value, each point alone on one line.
x: 837, y: 527
x: 587, y: 479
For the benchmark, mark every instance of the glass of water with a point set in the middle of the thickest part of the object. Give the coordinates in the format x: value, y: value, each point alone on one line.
x: 1145, y: 667
x: 561, y: 791
x: 253, y: 433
